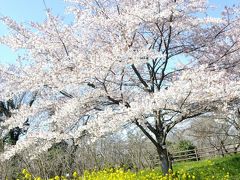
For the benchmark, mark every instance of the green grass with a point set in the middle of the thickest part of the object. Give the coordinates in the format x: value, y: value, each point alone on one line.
x: 215, y: 168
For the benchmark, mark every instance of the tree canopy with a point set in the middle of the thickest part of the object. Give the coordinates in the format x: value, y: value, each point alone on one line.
x: 153, y: 63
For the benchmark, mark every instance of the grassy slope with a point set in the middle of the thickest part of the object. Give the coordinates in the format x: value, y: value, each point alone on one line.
x: 214, y: 168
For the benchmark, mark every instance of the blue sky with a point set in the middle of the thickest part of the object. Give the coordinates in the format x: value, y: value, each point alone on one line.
x: 24, y: 11
x: 33, y: 10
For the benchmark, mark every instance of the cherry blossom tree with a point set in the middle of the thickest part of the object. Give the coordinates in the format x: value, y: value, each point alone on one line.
x: 121, y: 61
x: 224, y: 52
x: 12, y: 135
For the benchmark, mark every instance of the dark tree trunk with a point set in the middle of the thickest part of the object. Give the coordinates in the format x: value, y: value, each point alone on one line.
x: 161, y: 136
x: 166, y: 163
x: 160, y: 132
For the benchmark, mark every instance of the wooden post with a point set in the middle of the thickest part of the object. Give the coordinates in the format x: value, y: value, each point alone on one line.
x: 196, y: 154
